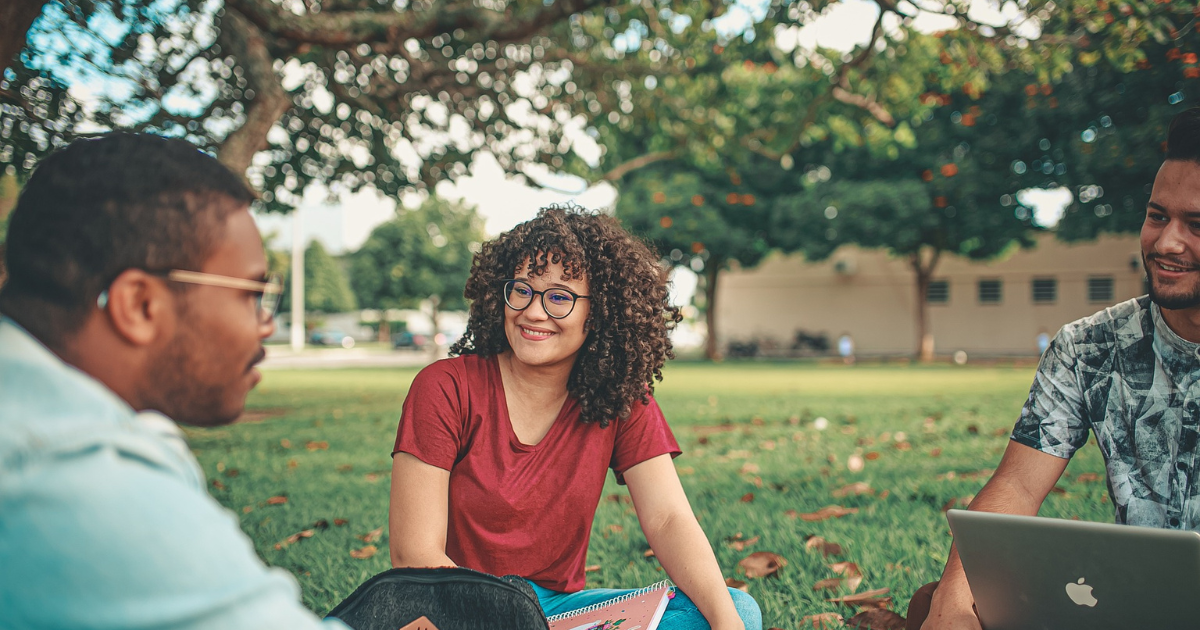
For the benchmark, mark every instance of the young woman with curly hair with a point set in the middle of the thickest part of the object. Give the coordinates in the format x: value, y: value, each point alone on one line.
x: 502, y: 451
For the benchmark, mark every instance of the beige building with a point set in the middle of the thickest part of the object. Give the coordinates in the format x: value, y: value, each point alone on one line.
x: 994, y: 308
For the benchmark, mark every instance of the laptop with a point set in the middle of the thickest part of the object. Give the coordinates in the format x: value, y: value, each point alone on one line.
x: 1031, y: 573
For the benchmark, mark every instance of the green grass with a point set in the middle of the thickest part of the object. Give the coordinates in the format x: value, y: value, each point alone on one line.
x: 744, y: 427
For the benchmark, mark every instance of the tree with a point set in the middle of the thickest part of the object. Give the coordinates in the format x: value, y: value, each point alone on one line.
x: 423, y: 254
x: 326, y: 285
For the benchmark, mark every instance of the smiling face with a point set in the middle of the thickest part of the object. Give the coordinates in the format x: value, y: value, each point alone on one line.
x: 1171, y: 236
x: 536, y: 339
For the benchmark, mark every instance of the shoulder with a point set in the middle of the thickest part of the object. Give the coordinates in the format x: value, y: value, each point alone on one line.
x: 456, y: 370
x: 1121, y: 323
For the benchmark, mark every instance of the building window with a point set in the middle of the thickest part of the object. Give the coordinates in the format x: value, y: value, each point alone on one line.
x: 939, y: 292
x: 990, y: 291
x: 1045, y: 290
x: 1100, y: 289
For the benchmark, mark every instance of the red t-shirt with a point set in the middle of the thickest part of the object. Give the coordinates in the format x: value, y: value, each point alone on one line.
x: 515, y: 508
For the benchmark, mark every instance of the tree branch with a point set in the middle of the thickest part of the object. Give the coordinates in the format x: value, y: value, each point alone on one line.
x: 636, y: 163
x: 241, y: 39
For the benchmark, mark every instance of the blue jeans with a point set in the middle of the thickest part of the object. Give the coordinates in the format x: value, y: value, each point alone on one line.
x: 681, y: 613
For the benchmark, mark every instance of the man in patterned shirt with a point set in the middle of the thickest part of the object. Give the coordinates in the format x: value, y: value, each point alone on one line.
x: 1130, y: 374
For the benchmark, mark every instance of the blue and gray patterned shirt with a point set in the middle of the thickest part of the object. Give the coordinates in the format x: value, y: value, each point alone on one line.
x: 1126, y: 376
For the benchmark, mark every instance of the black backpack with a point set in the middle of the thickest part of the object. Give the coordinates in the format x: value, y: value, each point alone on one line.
x: 451, y: 598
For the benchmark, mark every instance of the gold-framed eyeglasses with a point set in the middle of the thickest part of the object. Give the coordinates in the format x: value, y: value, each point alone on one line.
x: 267, y: 291
x: 558, y: 303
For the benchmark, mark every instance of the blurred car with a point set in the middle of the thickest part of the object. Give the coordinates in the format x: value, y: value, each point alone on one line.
x: 408, y: 340
x: 332, y: 338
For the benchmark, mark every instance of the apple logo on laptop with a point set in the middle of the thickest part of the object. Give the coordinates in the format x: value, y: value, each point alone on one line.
x: 1081, y: 593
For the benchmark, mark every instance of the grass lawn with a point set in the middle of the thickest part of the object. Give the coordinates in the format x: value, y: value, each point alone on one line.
x: 753, y: 455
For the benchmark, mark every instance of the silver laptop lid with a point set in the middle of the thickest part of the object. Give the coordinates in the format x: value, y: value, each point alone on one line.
x: 1031, y: 573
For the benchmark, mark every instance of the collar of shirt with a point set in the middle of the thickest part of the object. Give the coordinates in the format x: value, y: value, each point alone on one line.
x: 1170, y: 345
x: 50, y: 409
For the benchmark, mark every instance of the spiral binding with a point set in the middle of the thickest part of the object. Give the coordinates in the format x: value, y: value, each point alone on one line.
x: 608, y: 602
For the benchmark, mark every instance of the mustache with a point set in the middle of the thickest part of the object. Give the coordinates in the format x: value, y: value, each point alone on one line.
x: 1169, y: 261
x: 258, y: 358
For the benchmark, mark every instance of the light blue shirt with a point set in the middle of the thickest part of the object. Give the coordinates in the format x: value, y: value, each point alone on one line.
x: 104, y: 518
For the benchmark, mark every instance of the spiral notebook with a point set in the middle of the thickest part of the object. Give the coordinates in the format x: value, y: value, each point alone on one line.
x: 640, y: 610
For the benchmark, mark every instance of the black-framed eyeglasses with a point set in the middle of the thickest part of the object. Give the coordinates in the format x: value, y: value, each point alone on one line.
x: 558, y: 303
x: 267, y: 292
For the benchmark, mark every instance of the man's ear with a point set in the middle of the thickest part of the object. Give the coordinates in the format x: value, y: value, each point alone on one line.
x: 140, y: 307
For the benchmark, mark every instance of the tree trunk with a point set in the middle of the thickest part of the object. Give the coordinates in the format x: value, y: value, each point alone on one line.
x: 16, y: 16
x: 246, y: 43
x: 923, y: 270
x: 711, y: 350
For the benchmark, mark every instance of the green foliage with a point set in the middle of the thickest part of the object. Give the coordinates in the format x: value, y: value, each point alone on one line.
x: 326, y: 287
x: 421, y: 253
x: 955, y: 423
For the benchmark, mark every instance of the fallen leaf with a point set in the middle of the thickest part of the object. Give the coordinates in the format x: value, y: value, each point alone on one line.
x: 1087, y: 477
x: 935, y: 452
x: 685, y: 470
x: 739, y: 454
x: 821, y: 621
x: 827, y: 512
x: 1058, y: 490
x: 216, y: 483
x: 364, y: 553
x: 791, y: 513
x: 371, y: 477
x: 824, y: 546
x: 740, y: 545
x: 761, y: 564
x: 747, y: 498
x: 973, y: 429
x: 848, y: 569
x: 294, y: 538
x: 962, y: 502
x: 614, y: 528
x: 877, y: 619
x: 738, y: 584
x: 293, y: 463
x: 902, y: 446
x: 340, y: 521
x: 619, y: 498
x: 591, y: 568
x: 853, y: 490
x: 649, y: 553
x: 279, y: 500
x: 865, y: 599
x: 871, y: 456
x: 749, y: 468
x: 317, y: 446
x: 321, y: 524
x: 232, y: 472
x: 1001, y: 432
x: 247, y: 509
x: 828, y: 584
x: 372, y: 536
x: 285, y: 443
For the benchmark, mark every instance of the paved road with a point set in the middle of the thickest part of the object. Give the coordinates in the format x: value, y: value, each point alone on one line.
x: 282, y: 358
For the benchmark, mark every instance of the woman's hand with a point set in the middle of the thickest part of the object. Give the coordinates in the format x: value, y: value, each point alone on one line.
x: 678, y: 542
x: 418, y: 513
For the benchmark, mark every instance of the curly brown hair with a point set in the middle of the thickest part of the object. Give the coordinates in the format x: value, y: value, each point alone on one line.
x: 627, y: 330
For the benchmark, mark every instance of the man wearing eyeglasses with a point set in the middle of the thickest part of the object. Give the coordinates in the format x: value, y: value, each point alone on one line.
x: 137, y: 292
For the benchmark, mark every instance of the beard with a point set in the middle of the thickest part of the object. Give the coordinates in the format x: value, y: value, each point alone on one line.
x: 190, y: 388
x: 1173, y: 301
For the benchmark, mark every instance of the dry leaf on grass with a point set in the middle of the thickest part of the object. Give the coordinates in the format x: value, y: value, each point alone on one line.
x: 737, y: 544
x: 648, y: 554
x: 285, y: 443
x: 959, y: 502
x: 934, y: 452
x: 827, y: 512
x: 824, y: 546
x: 747, y: 498
x: 372, y: 536
x: 828, y: 584
x: 340, y: 521
x: 317, y: 446
x: 364, y: 553
x: 1087, y: 477
x: 591, y: 568
x: 865, y: 599
x: 216, y: 483
x: 761, y: 564
x: 738, y: 584
x: 851, y: 571
x: 877, y: 619
x: 853, y: 490
x: 279, y: 500
x: 749, y: 468
x: 822, y: 621
x: 295, y: 538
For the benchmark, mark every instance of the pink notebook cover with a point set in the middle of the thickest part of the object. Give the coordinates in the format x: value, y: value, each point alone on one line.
x: 639, y: 610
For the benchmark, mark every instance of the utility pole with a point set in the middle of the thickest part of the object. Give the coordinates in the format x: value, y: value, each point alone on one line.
x: 297, y: 281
